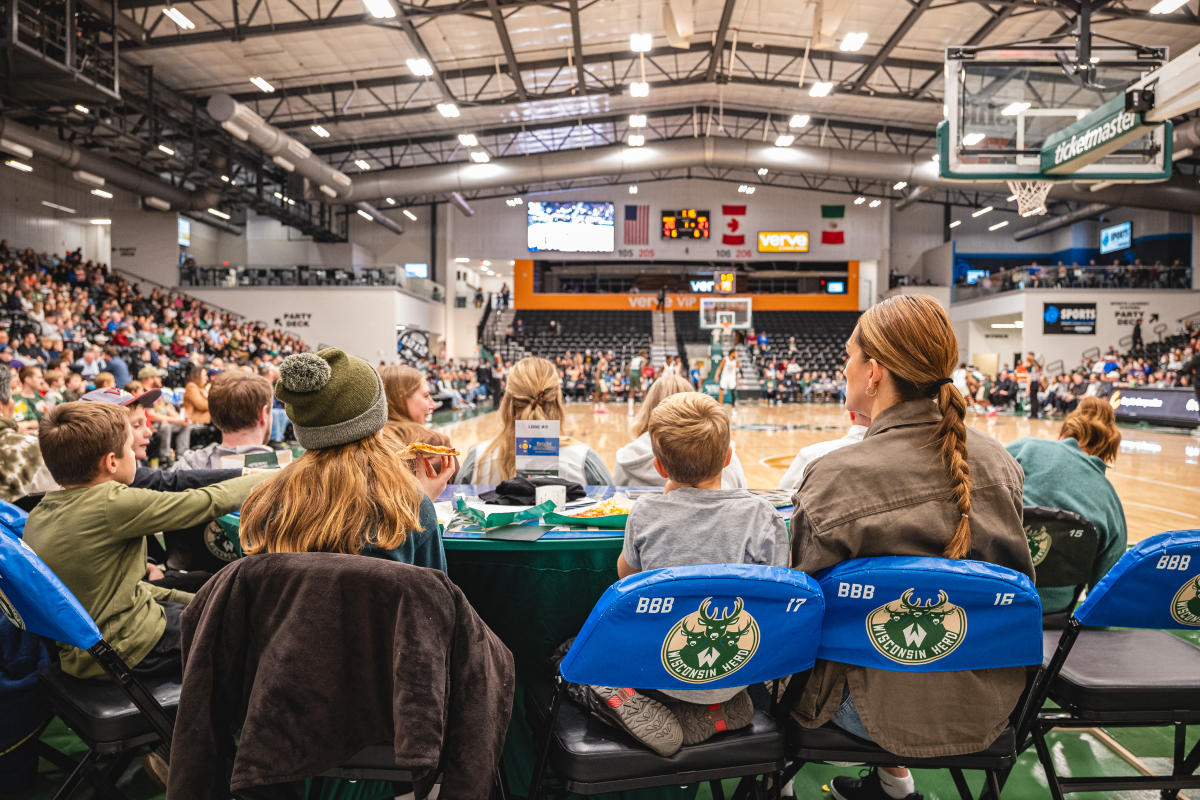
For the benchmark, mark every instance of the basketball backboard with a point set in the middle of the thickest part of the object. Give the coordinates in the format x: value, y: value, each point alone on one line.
x: 1005, y: 104
x: 736, y: 311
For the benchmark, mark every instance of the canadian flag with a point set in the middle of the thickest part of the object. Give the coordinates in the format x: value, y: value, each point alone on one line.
x: 733, y: 225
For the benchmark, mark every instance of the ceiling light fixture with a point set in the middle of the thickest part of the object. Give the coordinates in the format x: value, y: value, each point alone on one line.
x: 448, y: 110
x: 262, y: 84
x: 162, y: 148
x: 956, y: 223
x: 935, y: 158
x: 177, y: 16
x: 480, y: 156
x: 853, y: 42
x: 82, y: 109
x: 363, y: 165
x: 365, y: 215
x: 289, y: 201
x: 462, y: 260
x: 419, y: 67
x: 641, y: 42
x: 821, y: 89
x: 1012, y: 109
x: 972, y: 138
x: 762, y: 171
x: 898, y: 185
x: 391, y: 201
x: 380, y: 9
x: 633, y: 189
x: 637, y: 120
x: 875, y: 203
x: 216, y: 212
x: 319, y: 130
x: 468, y: 140
x: 980, y: 212
x: 639, y: 89
x: 278, y: 196
x: 784, y: 140
x: 998, y: 225
x: 87, y: 177
x: 100, y: 221
x: 858, y: 201
x: 410, y: 215
x: 636, y: 140
x: 57, y: 207
x: 1010, y: 198
x: 798, y: 120
x: 1167, y: 6
x: 225, y: 178
x: 102, y: 193
x: 18, y: 165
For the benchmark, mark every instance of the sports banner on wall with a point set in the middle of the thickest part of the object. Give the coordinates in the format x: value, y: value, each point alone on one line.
x: 1069, y: 318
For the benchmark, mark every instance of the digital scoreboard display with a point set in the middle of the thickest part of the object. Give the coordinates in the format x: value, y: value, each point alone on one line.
x: 686, y: 223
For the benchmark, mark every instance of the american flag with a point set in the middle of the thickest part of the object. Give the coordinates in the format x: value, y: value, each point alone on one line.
x: 637, y: 224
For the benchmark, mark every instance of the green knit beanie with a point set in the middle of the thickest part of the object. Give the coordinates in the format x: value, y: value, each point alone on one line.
x: 331, y: 398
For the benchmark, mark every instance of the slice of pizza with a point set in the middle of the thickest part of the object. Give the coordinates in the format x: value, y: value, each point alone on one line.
x: 432, y: 449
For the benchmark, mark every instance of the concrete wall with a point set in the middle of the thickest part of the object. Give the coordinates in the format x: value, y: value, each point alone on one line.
x: 25, y: 222
x: 915, y: 230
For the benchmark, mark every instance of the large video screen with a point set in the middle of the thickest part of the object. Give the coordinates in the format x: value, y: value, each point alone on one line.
x: 579, y: 227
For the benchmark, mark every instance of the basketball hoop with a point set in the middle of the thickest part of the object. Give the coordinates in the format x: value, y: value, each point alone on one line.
x: 726, y: 325
x: 1031, y: 196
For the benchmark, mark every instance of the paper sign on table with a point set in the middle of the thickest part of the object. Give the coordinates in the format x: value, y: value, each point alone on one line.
x: 537, y: 447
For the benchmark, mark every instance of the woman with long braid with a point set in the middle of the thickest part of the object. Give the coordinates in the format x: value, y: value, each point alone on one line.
x: 919, y: 484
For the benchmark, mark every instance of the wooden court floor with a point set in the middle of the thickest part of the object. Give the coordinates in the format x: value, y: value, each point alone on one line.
x: 1156, y: 475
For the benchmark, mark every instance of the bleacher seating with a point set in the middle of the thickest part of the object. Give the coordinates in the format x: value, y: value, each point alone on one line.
x: 820, y: 335
x: 622, y: 332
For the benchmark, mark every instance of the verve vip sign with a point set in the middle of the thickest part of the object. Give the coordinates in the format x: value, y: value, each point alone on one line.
x: 782, y: 242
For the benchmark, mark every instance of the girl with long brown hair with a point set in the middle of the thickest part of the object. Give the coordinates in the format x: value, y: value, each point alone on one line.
x: 533, y: 392
x: 350, y: 492
x: 635, y: 461
x: 920, y: 483
x: 1070, y: 474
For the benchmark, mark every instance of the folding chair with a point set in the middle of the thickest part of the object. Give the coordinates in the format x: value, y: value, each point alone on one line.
x: 1063, y: 545
x: 659, y: 630
x: 911, y: 614
x: 115, y: 720
x: 1139, y: 676
x: 12, y: 519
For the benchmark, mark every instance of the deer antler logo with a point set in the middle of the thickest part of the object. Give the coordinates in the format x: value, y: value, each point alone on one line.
x: 912, y: 632
x: 709, y: 644
x: 1185, y: 608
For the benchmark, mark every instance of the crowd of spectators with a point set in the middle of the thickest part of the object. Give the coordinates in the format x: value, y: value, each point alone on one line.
x: 1117, y: 275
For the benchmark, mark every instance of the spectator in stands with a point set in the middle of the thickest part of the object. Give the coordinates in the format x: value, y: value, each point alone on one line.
x: 104, y: 380
x: 28, y: 404
x: 32, y: 351
x: 504, y: 295
x: 240, y: 407
x: 195, y: 396
x: 635, y: 461
x: 21, y: 469
x: 408, y: 397
x: 92, y: 534
x: 533, y: 392
x: 89, y: 363
x: 791, y: 479
x: 371, y: 502
x: 1069, y: 474
x: 114, y: 363
x: 1005, y: 390
x: 938, y: 489
x: 74, y: 388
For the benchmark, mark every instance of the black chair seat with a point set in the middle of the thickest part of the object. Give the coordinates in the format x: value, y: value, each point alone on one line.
x: 376, y: 762
x: 831, y: 743
x: 586, y: 750
x: 1129, y: 674
x: 100, y: 712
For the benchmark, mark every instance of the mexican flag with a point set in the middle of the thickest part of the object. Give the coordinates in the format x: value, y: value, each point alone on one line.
x: 832, y: 235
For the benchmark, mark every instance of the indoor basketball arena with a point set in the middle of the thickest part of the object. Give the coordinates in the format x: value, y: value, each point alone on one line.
x: 367, y: 358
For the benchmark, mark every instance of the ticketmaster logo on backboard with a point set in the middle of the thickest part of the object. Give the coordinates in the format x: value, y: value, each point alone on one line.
x: 1093, y: 137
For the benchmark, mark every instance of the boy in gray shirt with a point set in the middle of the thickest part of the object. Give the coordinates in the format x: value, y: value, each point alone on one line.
x: 694, y: 521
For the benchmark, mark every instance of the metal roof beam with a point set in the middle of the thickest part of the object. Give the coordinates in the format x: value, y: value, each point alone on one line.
x: 718, y: 49
x: 514, y: 69
x: 577, y: 46
x: 893, y: 41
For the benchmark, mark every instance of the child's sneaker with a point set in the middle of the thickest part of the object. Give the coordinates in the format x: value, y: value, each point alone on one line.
x: 643, y: 718
x: 702, y: 722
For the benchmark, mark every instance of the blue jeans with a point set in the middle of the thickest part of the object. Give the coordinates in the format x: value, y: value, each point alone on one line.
x: 279, y: 423
x: 847, y: 717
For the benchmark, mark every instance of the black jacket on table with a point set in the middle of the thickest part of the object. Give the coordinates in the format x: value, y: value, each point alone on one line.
x: 314, y: 656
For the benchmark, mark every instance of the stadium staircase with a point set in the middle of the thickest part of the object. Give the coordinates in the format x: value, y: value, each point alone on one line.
x: 663, y: 341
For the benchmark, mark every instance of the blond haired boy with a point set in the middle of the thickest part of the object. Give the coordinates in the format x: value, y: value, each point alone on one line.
x: 694, y: 521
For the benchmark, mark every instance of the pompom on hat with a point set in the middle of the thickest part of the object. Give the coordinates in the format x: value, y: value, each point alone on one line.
x: 332, y: 398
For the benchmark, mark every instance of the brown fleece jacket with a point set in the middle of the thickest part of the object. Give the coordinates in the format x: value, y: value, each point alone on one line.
x: 313, y: 656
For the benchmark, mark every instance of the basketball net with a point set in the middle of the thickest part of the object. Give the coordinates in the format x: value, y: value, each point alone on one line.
x: 1031, y: 196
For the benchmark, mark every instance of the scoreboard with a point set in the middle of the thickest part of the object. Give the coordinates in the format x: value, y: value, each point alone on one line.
x: 686, y: 223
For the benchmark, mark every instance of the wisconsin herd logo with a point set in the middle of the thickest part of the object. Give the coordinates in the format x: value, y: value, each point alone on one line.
x: 704, y: 647
x: 1039, y: 543
x: 1185, y: 608
x: 911, y: 633
x: 8, y: 610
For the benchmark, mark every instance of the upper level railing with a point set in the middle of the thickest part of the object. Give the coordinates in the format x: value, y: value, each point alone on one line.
x: 1061, y: 276
x: 306, y: 275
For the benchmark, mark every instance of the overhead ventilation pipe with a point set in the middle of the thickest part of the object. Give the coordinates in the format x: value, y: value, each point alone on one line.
x: 114, y: 172
x: 290, y: 155
x: 1062, y: 221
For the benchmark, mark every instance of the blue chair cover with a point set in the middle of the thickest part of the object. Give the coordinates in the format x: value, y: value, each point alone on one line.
x: 35, y: 599
x: 1155, y: 585
x: 701, y: 627
x: 911, y: 614
x: 12, y: 519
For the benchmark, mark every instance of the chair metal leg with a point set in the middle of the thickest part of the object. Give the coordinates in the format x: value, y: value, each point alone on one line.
x: 82, y: 767
x: 960, y: 783
x: 1043, y: 751
x: 718, y: 791
x: 1183, y: 764
x: 994, y: 784
x: 539, y: 771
